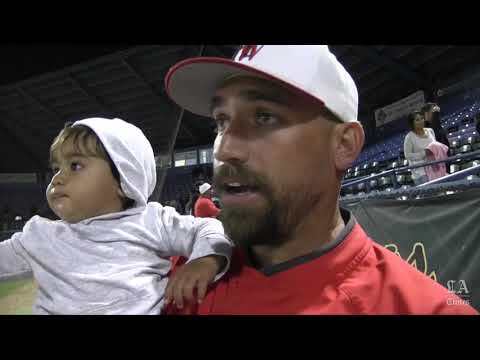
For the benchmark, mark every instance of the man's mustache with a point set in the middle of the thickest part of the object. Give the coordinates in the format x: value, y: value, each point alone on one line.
x: 238, y: 173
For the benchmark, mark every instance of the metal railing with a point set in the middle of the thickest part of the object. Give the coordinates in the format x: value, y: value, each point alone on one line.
x: 393, y: 172
x: 416, y: 192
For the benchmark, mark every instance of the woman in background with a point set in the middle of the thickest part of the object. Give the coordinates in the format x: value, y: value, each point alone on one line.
x: 415, y: 144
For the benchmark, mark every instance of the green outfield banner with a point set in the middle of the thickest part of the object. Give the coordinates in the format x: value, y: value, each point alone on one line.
x: 440, y: 236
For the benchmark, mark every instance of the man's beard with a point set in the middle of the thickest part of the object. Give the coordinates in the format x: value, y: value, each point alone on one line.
x: 275, y: 222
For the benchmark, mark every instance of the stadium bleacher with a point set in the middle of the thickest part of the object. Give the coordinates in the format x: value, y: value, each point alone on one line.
x: 375, y: 159
x: 21, y: 198
x: 180, y: 181
x: 388, y: 153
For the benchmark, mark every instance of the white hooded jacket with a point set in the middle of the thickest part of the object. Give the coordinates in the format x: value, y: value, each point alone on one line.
x: 114, y: 263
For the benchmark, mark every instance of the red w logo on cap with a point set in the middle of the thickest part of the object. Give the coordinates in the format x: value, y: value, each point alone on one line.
x: 249, y: 51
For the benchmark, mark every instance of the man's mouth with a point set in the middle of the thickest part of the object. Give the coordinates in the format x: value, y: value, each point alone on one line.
x: 237, y: 188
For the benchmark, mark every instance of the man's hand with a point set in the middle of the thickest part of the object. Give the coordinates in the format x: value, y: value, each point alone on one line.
x: 197, y: 274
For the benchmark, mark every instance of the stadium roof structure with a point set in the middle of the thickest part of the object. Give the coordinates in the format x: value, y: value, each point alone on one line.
x: 43, y: 86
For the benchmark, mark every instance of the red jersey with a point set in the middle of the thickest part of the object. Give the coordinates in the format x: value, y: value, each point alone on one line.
x: 204, y: 207
x: 353, y: 275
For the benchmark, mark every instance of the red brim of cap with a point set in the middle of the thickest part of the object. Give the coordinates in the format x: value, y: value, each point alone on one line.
x: 192, y: 83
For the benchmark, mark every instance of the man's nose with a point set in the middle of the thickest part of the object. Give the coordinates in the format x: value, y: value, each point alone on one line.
x: 231, y: 147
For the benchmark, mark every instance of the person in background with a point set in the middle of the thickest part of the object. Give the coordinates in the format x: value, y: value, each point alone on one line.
x: 6, y: 219
x: 205, y: 207
x: 431, y: 113
x: 415, y: 144
x: 216, y: 201
x: 190, y: 206
x: 183, y: 203
x: 17, y: 223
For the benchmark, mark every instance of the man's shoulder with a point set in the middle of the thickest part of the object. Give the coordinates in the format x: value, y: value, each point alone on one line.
x: 395, y: 286
x: 397, y: 271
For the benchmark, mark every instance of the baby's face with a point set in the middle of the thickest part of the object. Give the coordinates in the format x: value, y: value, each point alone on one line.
x: 82, y: 186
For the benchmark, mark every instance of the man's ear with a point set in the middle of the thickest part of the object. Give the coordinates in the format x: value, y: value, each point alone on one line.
x: 348, y: 143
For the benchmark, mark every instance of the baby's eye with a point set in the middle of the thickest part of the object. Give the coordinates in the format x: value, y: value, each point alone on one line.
x: 75, y: 166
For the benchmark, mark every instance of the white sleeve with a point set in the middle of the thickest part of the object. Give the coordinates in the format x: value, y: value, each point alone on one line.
x: 409, y: 150
x: 12, y: 263
x: 432, y: 132
x: 195, y: 237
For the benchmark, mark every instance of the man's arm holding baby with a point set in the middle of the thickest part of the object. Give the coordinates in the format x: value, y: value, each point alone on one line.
x: 196, y: 274
x: 204, y: 243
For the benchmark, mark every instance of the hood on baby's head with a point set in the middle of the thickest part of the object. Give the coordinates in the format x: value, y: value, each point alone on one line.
x: 132, y: 154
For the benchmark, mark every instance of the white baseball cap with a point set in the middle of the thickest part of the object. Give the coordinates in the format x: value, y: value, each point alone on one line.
x: 311, y: 70
x: 204, y: 188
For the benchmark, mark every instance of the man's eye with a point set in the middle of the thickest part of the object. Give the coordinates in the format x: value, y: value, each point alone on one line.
x: 55, y: 169
x: 221, y: 123
x: 75, y: 166
x: 266, y: 118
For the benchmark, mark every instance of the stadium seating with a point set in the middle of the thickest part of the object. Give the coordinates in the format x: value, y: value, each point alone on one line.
x: 179, y: 182
x: 375, y: 159
x: 388, y: 154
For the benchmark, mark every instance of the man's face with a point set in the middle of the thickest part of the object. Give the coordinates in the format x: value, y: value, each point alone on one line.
x: 273, y: 159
